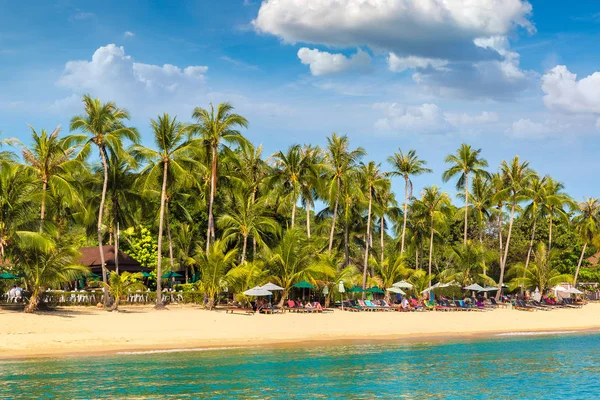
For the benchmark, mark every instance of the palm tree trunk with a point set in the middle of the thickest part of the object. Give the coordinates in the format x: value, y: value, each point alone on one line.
x: 346, y: 244
x: 171, y: 258
x: 308, y: 218
x: 550, y: 233
x: 34, y: 301
x: 503, y: 263
x: 43, y: 206
x: 482, y: 255
x: 294, y: 212
x: 529, y: 251
x: 416, y: 258
x: 381, y: 228
x: 337, y: 201
x: 163, y: 195
x: 100, y: 214
x: 466, y: 207
x: 579, y: 264
x: 430, y: 251
x: 244, y: 248
x: 213, y: 189
x: 366, y: 261
x: 405, y: 213
x: 499, y: 219
x: 117, y: 250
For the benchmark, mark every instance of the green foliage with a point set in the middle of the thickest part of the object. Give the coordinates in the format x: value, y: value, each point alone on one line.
x: 141, y: 245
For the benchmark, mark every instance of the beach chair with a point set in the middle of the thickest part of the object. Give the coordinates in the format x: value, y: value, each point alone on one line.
x: 363, y: 304
x: 387, y: 307
x: 376, y: 307
x: 520, y: 305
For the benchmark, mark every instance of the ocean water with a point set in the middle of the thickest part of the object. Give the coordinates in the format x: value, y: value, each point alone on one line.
x: 509, y: 367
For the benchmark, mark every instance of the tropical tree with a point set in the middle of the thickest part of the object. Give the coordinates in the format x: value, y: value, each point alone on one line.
x: 187, y: 243
x: 587, y: 223
x: 536, y: 192
x: 119, y: 285
x: 468, y: 265
x: 407, y: 165
x: 515, y: 176
x: 373, y: 179
x: 482, y: 193
x: 247, y: 219
x: 385, y: 205
x: 540, y: 274
x: 175, y: 154
x: 554, y: 206
x: 339, y: 162
x: 215, y: 128
x: 51, y: 159
x: 103, y: 126
x: 310, y: 184
x: 214, y: 265
x: 465, y: 162
x: 435, y: 204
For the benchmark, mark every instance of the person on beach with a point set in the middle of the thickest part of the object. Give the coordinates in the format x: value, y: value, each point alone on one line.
x: 405, y: 304
x: 309, y: 306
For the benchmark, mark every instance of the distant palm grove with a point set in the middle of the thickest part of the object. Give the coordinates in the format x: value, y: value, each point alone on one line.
x: 207, y: 203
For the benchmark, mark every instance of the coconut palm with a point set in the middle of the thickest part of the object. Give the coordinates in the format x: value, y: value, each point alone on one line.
x: 541, y: 274
x: 52, y: 159
x: 175, y: 155
x: 481, y: 196
x: 103, y: 126
x: 435, y: 204
x: 372, y: 180
x: 247, y: 219
x: 465, y: 162
x: 215, y: 128
x: 407, y: 165
x: 214, y: 265
x: 391, y: 271
x: 554, y: 205
x: 536, y: 193
x: 310, y: 184
x: 515, y: 177
x: 385, y: 205
x: 119, y: 285
x: 246, y: 275
x: 187, y: 243
x: 339, y: 162
x: 587, y: 223
x: 468, y: 265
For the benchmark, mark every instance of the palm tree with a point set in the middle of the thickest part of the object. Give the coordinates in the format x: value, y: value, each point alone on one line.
x: 175, y: 154
x: 587, y: 223
x: 103, y: 127
x: 466, y: 161
x: 213, y: 266
x: 51, y: 159
x: 385, y: 206
x: 214, y: 129
x: 481, y: 195
x: 468, y: 265
x: 515, y: 176
x: 121, y: 284
x: 187, y: 243
x: 541, y: 273
x: 554, y: 205
x: 407, y: 165
x: 372, y: 180
x: 247, y: 219
x: 390, y: 271
x: 340, y: 160
x: 536, y: 192
x: 311, y: 180
x: 435, y: 204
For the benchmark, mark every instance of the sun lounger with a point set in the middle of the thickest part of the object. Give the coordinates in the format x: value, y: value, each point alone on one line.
x: 233, y: 308
x: 520, y: 305
x: 495, y: 303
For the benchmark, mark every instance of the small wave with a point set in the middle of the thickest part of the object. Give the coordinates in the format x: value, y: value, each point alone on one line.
x: 540, y: 333
x: 182, y: 350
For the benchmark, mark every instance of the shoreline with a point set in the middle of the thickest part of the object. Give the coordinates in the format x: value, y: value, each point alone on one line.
x: 72, y: 332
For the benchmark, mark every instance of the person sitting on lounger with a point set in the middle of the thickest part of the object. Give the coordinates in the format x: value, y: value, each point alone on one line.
x: 405, y: 304
x: 317, y: 306
x: 308, y: 306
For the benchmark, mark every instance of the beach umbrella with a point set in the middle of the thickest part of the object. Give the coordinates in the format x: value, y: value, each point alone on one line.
x: 257, y: 291
x: 573, y: 291
x: 325, y: 290
x: 6, y: 275
x: 271, y: 286
x: 489, y: 288
x: 304, y: 285
x: 403, y: 285
x: 396, y: 290
x: 474, y: 287
x: 375, y: 289
x: 146, y: 274
x: 171, y: 274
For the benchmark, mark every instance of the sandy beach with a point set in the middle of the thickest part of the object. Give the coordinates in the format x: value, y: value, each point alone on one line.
x: 81, y: 331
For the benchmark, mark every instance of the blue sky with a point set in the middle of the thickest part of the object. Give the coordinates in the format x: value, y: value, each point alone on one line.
x: 509, y: 76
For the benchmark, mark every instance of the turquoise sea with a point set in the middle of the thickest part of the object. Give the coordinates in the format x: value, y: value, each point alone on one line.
x: 509, y: 367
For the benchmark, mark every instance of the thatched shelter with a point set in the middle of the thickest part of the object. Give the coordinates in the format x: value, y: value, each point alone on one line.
x: 90, y: 256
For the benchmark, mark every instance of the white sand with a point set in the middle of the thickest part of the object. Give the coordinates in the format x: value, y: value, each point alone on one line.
x: 79, y: 330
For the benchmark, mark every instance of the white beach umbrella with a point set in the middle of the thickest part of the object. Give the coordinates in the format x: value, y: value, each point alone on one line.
x: 341, y: 287
x: 257, y: 291
x: 573, y: 291
x: 271, y: 286
x: 474, y: 287
x: 395, y: 290
x: 559, y: 288
x: 490, y: 288
x: 403, y: 285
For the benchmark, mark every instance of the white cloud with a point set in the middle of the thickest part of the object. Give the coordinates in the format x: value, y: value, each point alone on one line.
x: 113, y: 74
x: 598, y: 123
x: 563, y: 92
x: 324, y: 63
x: 494, y: 79
x: 128, y: 34
x: 399, y: 64
x: 442, y: 29
x: 525, y: 128
x: 465, y: 119
x: 426, y: 118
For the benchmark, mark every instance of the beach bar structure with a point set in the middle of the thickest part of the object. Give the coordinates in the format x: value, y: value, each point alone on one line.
x: 90, y: 256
